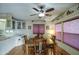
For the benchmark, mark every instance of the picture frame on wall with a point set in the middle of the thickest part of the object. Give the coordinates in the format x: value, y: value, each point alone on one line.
x: 47, y: 27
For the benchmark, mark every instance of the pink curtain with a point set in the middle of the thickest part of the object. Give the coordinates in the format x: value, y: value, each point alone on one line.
x: 38, y: 28
x: 41, y: 28
x: 35, y: 29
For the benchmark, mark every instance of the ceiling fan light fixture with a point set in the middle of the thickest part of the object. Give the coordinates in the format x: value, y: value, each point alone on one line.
x: 41, y: 15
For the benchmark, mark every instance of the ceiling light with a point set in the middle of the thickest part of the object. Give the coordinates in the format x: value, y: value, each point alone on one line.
x: 41, y: 14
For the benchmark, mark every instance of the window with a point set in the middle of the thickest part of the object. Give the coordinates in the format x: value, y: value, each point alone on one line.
x: 71, y: 33
x: 23, y: 25
x: 58, y: 31
x: 18, y: 25
x: 29, y: 27
x: 13, y: 24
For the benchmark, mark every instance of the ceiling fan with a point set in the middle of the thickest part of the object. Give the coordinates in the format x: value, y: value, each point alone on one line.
x: 41, y: 11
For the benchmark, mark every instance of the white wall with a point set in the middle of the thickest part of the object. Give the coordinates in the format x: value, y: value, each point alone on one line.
x: 30, y: 32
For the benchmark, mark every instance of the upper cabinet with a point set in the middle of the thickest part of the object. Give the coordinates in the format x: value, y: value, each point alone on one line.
x: 8, y: 22
x: 5, y: 22
x: 8, y: 19
x: 2, y: 26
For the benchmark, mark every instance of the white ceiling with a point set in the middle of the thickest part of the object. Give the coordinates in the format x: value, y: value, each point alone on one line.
x: 23, y: 11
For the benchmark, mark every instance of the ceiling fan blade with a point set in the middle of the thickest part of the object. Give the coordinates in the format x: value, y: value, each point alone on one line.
x: 33, y: 14
x: 51, y: 9
x: 36, y: 9
x: 48, y: 14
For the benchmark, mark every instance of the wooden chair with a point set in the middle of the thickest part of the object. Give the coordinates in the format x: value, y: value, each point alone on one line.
x: 25, y: 46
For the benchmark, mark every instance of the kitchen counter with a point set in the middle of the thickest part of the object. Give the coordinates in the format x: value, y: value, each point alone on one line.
x: 8, y: 43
